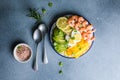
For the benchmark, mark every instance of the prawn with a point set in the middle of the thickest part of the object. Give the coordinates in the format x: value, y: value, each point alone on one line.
x: 91, y: 31
x: 80, y: 19
x: 77, y: 25
x: 75, y: 18
x: 85, y: 23
x: 71, y: 22
x: 90, y: 27
x: 93, y: 38
x: 83, y: 29
x: 84, y: 35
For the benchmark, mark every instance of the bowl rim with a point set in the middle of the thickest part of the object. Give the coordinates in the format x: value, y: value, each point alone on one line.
x: 16, y: 57
x: 51, y: 41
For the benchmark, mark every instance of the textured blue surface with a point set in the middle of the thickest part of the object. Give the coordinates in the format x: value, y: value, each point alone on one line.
x: 102, y: 62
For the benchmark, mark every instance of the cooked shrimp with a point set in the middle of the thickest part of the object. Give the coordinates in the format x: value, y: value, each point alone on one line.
x: 86, y: 29
x: 71, y: 22
x: 89, y: 27
x: 91, y: 31
x: 82, y: 29
x: 77, y: 25
x: 80, y: 19
x: 84, y: 34
x: 85, y: 38
x: 75, y: 18
x: 85, y: 23
x: 93, y: 38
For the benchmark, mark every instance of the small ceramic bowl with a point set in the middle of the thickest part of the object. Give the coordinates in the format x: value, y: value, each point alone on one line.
x: 15, y: 53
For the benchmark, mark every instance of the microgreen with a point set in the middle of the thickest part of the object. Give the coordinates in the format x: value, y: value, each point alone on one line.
x: 34, y: 14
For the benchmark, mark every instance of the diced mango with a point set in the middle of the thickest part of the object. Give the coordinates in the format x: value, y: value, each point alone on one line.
x: 79, y: 49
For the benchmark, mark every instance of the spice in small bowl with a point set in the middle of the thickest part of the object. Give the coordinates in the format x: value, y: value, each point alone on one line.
x: 22, y: 53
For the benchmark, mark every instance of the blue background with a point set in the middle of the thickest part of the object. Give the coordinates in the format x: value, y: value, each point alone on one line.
x: 102, y: 62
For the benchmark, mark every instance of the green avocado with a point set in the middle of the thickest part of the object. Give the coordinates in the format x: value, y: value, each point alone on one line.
x: 58, y: 32
x: 60, y: 44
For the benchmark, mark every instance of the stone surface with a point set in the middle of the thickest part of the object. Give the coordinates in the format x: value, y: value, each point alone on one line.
x: 100, y: 63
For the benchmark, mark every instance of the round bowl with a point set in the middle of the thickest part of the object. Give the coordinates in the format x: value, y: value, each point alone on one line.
x: 16, y: 56
x: 51, y: 41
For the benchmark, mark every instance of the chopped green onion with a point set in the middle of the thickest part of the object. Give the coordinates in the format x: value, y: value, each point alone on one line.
x: 60, y: 72
x: 60, y: 64
x: 50, y: 4
x: 80, y: 48
x: 44, y: 11
x: 72, y: 38
x: 75, y: 30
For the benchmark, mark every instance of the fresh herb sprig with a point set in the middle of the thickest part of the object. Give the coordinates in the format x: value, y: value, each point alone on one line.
x: 34, y: 14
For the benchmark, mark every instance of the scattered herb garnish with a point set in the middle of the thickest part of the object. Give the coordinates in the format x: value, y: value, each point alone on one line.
x: 72, y: 38
x: 60, y: 72
x: 71, y: 28
x: 60, y: 64
x: 34, y: 14
x: 75, y: 30
x: 50, y: 4
x: 80, y: 48
x: 43, y: 10
x: 73, y: 52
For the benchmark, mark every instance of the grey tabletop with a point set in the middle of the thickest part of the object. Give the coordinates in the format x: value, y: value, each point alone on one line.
x: 100, y: 63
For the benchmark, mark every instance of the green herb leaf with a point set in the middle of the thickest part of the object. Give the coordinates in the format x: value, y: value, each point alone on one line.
x: 60, y: 64
x: 73, y: 52
x: 72, y: 38
x: 71, y: 28
x: 34, y: 14
x: 75, y: 30
x: 50, y: 4
x: 43, y: 10
x: 60, y: 72
x: 80, y: 48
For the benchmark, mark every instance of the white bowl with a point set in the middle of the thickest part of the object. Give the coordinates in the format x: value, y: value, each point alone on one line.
x: 17, y: 58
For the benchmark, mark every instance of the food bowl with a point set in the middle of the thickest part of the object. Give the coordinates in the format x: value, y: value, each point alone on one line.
x: 52, y: 41
x: 22, y: 53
